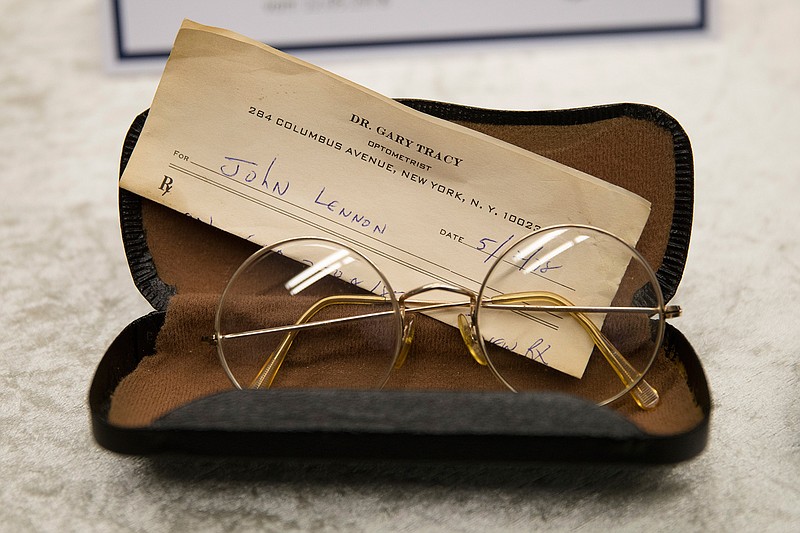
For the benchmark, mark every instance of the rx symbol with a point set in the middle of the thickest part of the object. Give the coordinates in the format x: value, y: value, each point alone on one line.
x: 166, y: 185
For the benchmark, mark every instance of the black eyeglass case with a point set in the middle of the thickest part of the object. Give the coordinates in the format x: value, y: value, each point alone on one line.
x: 144, y: 401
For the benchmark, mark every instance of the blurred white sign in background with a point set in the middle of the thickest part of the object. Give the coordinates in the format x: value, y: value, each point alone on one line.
x: 140, y: 33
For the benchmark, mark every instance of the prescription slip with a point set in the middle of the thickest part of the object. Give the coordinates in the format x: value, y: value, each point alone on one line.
x: 267, y: 147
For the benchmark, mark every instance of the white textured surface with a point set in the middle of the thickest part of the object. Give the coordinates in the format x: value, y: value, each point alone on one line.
x: 66, y: 292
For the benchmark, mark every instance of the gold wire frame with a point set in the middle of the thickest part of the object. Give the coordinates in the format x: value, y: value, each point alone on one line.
x: 404, y: 308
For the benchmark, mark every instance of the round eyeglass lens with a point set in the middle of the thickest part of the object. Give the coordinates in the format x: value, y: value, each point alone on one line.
x: 300, y: 314
x: 604, y: 324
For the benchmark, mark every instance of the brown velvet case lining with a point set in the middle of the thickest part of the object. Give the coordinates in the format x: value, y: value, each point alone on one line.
x: 197, y: 260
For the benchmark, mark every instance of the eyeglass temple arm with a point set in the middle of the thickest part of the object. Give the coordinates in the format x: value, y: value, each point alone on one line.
x: 644, y: 394
x: 266, y: 375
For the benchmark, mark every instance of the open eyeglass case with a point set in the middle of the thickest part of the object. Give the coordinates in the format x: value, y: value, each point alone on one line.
x: 160, y: 388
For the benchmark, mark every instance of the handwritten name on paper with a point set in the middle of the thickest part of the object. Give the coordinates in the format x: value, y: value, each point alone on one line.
x: 268, y: 147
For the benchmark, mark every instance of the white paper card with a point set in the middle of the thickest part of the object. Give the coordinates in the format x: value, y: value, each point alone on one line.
x: 267, y: 147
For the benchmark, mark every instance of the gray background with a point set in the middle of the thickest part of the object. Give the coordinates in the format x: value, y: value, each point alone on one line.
x: 66, y: 291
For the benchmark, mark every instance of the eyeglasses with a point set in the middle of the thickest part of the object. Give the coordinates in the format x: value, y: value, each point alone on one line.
x: 566, y: 308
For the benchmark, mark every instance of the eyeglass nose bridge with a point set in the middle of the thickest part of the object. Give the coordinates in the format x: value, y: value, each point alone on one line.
x: 466, y: 326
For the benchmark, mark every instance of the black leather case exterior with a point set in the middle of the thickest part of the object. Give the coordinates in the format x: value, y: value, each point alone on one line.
x: 402, y: 424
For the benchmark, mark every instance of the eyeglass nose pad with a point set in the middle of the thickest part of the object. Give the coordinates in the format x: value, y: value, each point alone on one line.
x: 470, y: 339
x: 408, y: 338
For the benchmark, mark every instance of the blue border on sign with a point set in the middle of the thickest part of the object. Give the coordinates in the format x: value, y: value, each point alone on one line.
x: 124, y: 55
